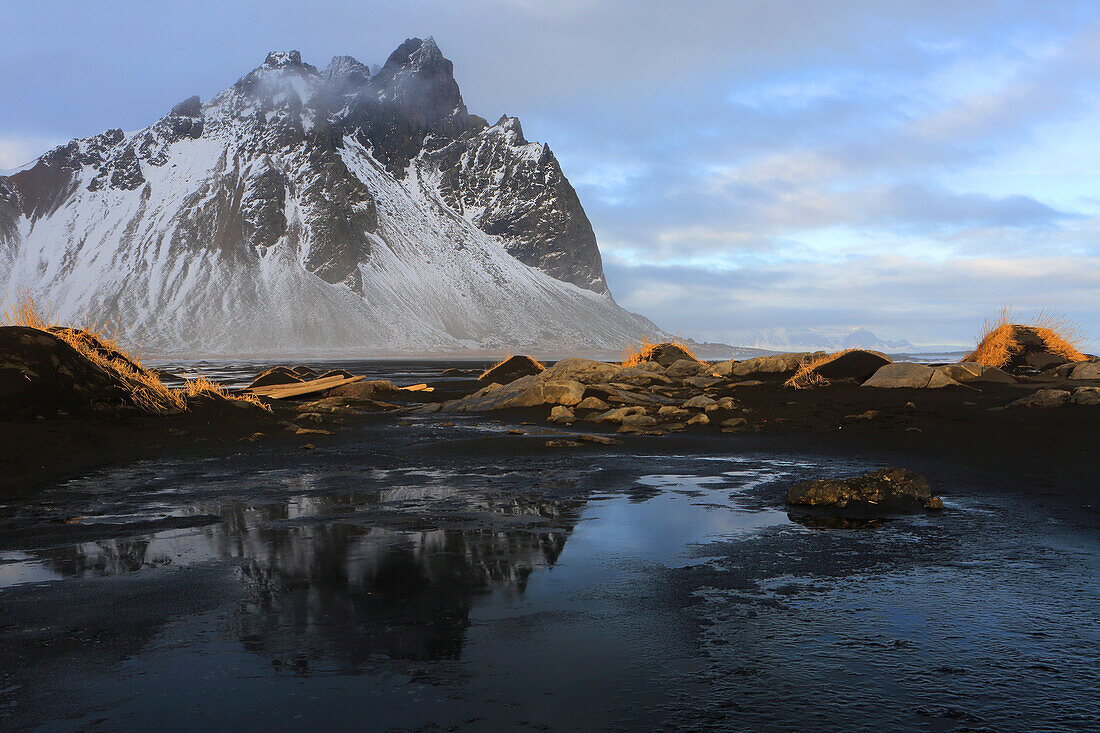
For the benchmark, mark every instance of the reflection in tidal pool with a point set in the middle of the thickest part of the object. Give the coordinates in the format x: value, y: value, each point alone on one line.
x: 666, y: 589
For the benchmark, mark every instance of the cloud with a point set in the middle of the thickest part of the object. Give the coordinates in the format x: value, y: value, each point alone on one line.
x: 16, y: 150
x: 908, y: 166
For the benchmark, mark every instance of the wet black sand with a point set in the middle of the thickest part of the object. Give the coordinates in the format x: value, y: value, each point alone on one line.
x: 436, y: 575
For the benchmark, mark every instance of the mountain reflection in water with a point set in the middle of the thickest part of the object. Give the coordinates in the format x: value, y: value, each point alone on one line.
x: 327, y: 591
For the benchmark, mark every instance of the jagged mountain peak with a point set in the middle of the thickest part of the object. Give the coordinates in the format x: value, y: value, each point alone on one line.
x: 347, y: 67
x: 511, y: 129
x: 301, y: 209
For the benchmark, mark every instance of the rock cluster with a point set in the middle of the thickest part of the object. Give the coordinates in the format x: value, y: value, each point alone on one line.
x: 644, y: 398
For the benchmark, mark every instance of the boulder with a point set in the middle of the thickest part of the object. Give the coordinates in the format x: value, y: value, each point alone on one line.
x: 585, y: 371
x: 671, y: 412
x: 734, y: 423
x: 304, y: 372
x: 276, y: 376
x: 634, y: 377
x: 702, y: 382
x: 511, y: 369
x: 1047, y: 397
x: 687, y: 368
x: 564, y: 392
x: 885, y: 490
x: 365, y: 390
x: 593, y: 403
x: 777, y: 364
x: 727, y: 403
x: 620, y: 395
x: 995, y: 375
x: 942, y: 379
x: 1086, y: 396
x: 562, y: 414
x: 700, y: 402
x: 724, y: 368
x: 1086, y: 370
x: 1013, y: 346
x: 700, y: 419
x: 618, y: 414
x: 637, y: 423
x: 902, y: 374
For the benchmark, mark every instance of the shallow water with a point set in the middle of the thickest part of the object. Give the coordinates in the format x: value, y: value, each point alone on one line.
x: 386, y: 581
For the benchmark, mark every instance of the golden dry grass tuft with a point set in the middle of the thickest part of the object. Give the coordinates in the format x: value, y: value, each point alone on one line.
x: 146, y: 391
x: 26, y: 312
x: 643, y: 352
x: 998, y: 344
x: 807, y: 378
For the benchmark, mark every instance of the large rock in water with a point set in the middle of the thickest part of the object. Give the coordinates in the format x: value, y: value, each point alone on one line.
x: 510, y: 370
x: 885, y: 490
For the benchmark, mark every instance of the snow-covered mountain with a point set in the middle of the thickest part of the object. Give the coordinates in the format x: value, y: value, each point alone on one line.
x: 808, y: 339
x: 344, y: 210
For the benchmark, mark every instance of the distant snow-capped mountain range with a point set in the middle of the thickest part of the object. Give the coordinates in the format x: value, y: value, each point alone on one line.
x: 347, y: 209
x: 808, y: 339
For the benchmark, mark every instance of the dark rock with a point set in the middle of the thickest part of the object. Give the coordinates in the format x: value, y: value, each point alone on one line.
x: 365, y: 390
x: 510, y: 370
x: 304, y: 372
x: 885, y: 490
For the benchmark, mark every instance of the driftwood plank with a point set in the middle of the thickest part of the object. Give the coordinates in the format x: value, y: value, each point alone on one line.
x: 282, y: 391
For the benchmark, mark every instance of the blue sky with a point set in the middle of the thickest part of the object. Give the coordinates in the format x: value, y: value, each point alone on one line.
x: 909, y: 167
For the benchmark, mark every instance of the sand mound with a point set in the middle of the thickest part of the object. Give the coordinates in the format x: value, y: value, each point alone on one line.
x: 510, y: 370
x: 276, y: 376
x: 41, y: 371
x: 665, y: 354
x: 857, y: 364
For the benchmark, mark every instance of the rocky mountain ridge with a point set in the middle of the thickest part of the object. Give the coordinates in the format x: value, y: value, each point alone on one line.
x: 300, y: 208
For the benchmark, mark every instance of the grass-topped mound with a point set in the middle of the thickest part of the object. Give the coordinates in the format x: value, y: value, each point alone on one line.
x: 854, y: 364
x: 49, y: 368
x: 510, y: 369
x: 666, y: 354
x: 1045, y: 342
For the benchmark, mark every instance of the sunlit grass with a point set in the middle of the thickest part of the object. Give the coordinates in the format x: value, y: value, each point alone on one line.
x: 643, y: 352
x: 998, y: 344
x: 806, y: 377
x: 146, y: 391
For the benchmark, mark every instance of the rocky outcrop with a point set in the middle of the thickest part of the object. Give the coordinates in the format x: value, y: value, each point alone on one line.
x: 921, y: 376
x: 883, y: 491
